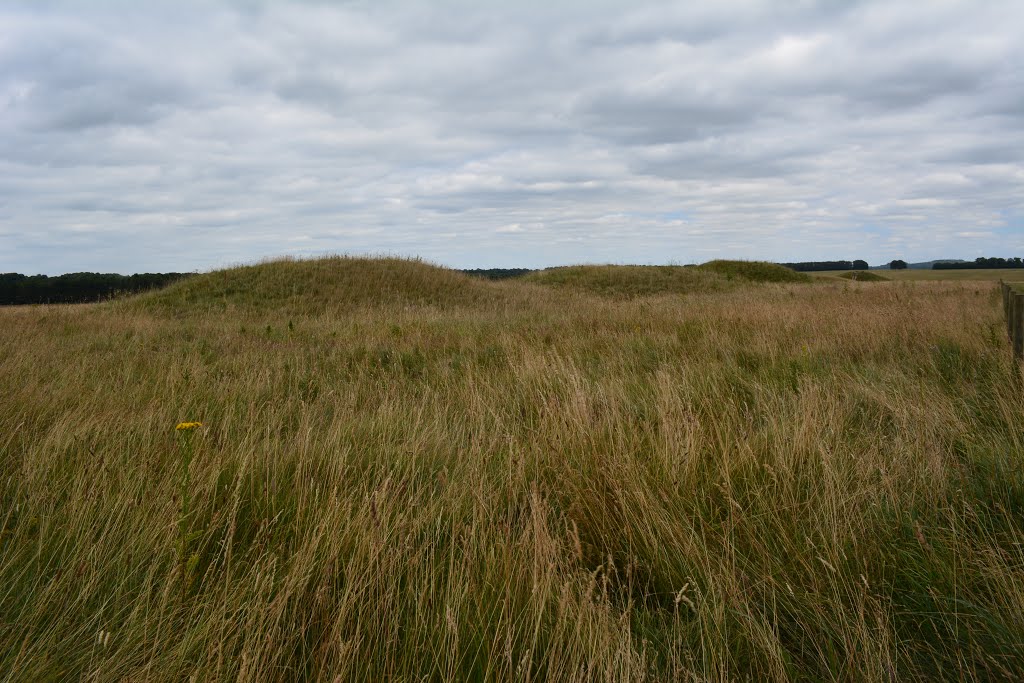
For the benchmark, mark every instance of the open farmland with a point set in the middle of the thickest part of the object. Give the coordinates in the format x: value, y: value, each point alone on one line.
x: 914, y: 274
x: 404, y: 473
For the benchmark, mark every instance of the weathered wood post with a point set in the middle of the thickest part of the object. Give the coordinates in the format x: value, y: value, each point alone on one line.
x: 1018, y: 324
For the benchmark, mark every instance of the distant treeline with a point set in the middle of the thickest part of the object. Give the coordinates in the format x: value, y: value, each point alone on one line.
x: 76, y: 288
x: 497, y: 273
x: 979, y: 262
x: 811, y: 266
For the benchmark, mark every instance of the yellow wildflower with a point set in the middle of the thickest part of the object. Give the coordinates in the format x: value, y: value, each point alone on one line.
x: 188, y: 426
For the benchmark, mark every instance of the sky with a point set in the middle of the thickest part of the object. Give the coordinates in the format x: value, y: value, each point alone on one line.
x: 187, y: 135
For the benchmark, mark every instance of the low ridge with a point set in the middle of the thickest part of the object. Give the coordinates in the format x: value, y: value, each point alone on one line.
x: 755, y: 271
x: 863, y: 276
x: 630, y: 281
x: 310, y: 286
x: 634, y: 281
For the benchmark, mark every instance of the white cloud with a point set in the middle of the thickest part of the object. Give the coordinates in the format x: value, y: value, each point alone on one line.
x: 526, y: 134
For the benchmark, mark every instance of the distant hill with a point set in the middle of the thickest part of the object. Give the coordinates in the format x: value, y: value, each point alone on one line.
x: 921, y: 265
x: 927, y: 265
x: 625, y: 282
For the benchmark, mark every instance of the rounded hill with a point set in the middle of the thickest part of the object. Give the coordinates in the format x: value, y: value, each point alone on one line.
x: 310, y: 286
x: 863, y: 276
x: 634, y: 281
x: 755, y: 271
x: 629, y: 281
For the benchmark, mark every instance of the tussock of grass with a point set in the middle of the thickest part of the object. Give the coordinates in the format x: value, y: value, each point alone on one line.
x: 630, y: 281
x: 755, y: 271
x: 863, y: 276
x: 816, y: 483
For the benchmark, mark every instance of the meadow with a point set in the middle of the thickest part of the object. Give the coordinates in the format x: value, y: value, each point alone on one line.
x: 405, y: 473
x: 916, y: 274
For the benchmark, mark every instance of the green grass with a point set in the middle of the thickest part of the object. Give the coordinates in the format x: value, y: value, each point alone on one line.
x: 755, y: 271
x: 404, y: 474
x: 336, y: 285
x: 987, y: 275
x: 629, y: 281
x: 626, y: 282
x: 862, y: 276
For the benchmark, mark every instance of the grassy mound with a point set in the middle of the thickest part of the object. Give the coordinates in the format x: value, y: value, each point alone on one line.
x: 312, y: 286
x: 755, y: 271
x: 863, y: 276
x: 630, y: 281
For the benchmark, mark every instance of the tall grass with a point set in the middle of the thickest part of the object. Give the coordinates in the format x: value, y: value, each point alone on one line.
x: 782, y: 482
x: 625, y: 282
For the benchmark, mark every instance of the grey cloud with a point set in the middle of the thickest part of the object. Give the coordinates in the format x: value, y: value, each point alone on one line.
x: 634, y: 119
x: 786, y: 131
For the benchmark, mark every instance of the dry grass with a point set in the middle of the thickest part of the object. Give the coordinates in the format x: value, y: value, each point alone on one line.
x: 863, y: 276
x: 754, y: 271
x: 627, y: 282
x: 778, y: 482
x: 914, y: 274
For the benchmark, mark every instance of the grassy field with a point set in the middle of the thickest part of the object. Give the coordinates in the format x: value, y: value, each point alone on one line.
x: 626, y: 282
x: 984, y: 274
x: 404, y: 473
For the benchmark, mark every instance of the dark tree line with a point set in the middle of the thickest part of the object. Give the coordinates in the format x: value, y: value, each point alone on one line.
x: 979, y: 262
x: 497, y: 273
x: 75, y: 288
x: 812, y: 266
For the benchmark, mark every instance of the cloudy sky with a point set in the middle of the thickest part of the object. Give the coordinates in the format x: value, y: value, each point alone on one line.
x: 190, y: 135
